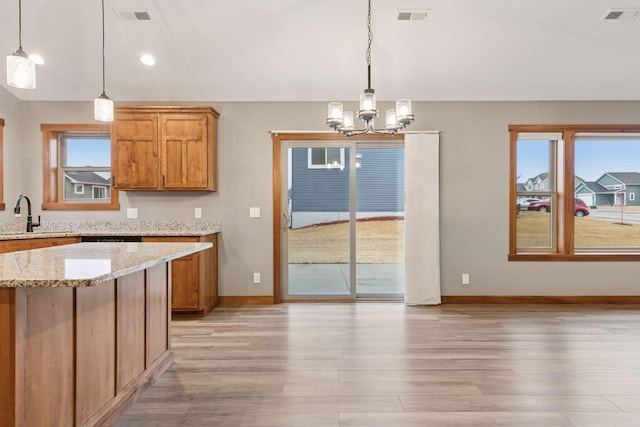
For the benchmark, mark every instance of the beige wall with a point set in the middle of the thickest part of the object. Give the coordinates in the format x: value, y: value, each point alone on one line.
x: 473, y: 194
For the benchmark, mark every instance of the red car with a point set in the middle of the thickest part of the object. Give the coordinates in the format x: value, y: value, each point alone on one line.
x: 579, y: 207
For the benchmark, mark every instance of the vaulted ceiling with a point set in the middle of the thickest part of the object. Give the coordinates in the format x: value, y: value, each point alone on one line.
x: 309, y: 50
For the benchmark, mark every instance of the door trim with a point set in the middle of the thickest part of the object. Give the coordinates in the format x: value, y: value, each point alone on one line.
x: 277, y: 139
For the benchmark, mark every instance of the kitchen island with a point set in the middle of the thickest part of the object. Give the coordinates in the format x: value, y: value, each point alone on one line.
x: 84, y: 329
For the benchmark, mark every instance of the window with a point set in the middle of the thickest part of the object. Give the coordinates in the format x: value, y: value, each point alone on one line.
x: 326, y: 158
x: 99, y: 192
x: 77, y: 168
x: 573, y: 192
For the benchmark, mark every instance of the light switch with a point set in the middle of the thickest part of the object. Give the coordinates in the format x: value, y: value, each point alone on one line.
x: 198, y: 212
x: 254, y: 212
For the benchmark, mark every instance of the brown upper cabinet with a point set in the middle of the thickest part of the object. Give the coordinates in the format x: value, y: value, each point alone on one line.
x: 164, y: 148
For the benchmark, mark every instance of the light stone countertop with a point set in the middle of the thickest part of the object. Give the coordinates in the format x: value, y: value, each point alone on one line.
x: 17, y: 231
x: 86, y: 264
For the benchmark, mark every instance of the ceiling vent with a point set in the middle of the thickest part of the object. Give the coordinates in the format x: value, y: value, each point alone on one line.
x: 621, y: 15
x: 133, y: 15
x: 413, y: 14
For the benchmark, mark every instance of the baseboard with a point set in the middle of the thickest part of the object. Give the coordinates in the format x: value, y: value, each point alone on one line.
x: 248, y: 300
x: 541, y: 299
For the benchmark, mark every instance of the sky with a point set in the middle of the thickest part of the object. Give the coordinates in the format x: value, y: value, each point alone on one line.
x: 592, y: 158
x: 88, y: 152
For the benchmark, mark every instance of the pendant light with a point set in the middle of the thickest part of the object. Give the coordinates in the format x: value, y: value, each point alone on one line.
x: 21, y: 71
x: 102, y: 105
x: 396, y: 119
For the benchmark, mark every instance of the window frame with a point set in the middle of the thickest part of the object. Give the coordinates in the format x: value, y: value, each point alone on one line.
x: 78, y: 186
x: 51, y: 197
x: 565, y: 220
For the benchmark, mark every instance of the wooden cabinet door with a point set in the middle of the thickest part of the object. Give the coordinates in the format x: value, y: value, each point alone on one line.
x: 185, y: 283
x: 134, y: 155
x: 184, y: 149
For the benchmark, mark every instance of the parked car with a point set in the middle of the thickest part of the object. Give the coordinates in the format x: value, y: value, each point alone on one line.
x: 524, y: 203
x: 579, y: 207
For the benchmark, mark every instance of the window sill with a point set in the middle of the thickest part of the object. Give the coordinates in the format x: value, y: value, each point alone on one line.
x: 81, y: 206
x: 611, y: 257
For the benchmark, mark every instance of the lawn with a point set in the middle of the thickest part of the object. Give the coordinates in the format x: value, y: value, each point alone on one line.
x: 377, y: 242
x: 533, y: 230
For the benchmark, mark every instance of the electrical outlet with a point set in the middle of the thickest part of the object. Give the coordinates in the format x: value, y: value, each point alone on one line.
x: 256, y: 277
x: 197, y: 213
x: 465, y: 279
x: 132, y: 213
x: 254, y: 212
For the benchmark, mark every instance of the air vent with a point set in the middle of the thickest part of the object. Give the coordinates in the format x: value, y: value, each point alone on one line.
x: 133, y: 15
x: 621, y: 15
x: 413, y: 14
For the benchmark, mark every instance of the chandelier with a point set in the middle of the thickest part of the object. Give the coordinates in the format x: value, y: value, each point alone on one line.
x: 396, y: 119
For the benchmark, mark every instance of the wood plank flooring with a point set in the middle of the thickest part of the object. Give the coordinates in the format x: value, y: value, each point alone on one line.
x: 387, y: 364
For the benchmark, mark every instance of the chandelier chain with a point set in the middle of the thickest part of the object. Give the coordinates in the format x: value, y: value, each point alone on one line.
x: 370, y: 35
x: 20, y: 25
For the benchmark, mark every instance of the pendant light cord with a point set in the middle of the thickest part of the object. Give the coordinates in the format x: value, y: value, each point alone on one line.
x: 19, y: 24
x: 103, y: 60
x: 370, y: 39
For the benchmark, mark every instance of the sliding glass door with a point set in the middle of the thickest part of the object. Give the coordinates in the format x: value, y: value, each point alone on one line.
x: 343, y: 222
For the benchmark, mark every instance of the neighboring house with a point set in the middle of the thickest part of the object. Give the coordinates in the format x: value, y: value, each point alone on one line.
x: 318, y: 184
x: 539, y: 182
x: 86, y: 185
x: 624, y: 185
x: 594, y: 194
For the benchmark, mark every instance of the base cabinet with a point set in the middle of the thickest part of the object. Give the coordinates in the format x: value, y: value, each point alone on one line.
x: 194, y: 278
x: 81, y: 356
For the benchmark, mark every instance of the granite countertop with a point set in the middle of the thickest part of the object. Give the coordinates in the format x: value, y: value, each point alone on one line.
x: 16, y: 231
x: 86, y: 264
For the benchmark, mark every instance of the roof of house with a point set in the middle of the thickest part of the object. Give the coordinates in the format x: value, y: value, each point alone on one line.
x: 595, y: 187
x: 629, y: 178
x: 82, y: 177
x: 542, y: 176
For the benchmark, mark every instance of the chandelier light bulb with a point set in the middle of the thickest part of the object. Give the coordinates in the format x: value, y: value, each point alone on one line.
x: 391, y: 119
x: 403, y: 107
x: 335, y: 110
x: 348, y: 120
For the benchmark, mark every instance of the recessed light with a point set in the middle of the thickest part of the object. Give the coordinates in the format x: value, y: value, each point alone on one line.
x: 147, y: 59
x: 37, y: 59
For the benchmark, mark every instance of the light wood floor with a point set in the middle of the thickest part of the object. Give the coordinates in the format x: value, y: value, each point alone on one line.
x: 386, y: 364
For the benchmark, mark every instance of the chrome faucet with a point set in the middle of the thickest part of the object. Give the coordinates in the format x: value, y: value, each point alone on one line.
x: 16, y: 212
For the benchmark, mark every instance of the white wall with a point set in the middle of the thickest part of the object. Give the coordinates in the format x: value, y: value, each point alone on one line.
x: 473, y: 177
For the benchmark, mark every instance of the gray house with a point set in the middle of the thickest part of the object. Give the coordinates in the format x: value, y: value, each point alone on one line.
x: 612, y: 188
x: 319, y: 182
x: 86, y: 185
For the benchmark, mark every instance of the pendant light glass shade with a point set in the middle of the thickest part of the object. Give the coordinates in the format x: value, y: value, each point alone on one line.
x: 103, y: 108
x: 21, y: 71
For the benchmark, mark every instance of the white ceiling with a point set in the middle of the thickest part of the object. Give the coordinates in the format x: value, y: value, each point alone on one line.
x: 310, y: 50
